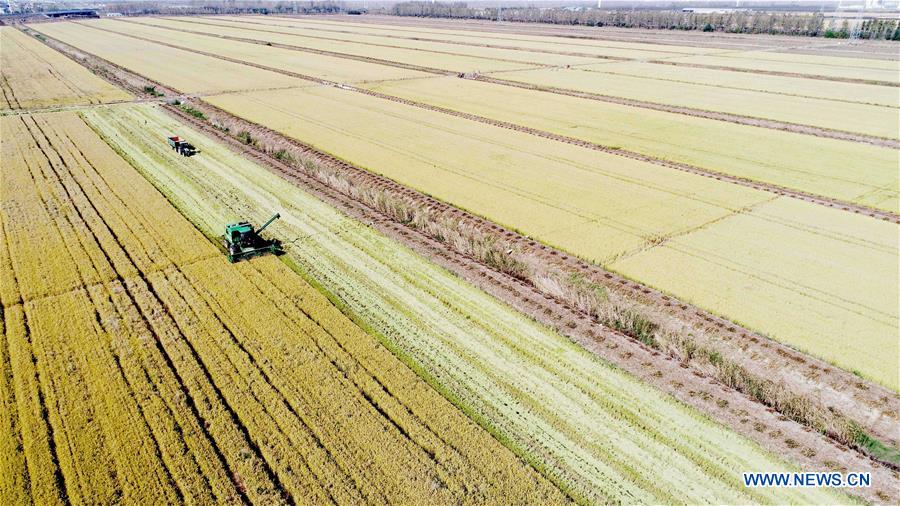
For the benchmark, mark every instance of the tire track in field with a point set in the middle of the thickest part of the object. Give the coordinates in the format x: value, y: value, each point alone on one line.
x: 133, y: 300
x: 357, y: 477
x: 178, y: 282
x: 180, y: 384
x: 176, y: 487
x: 157, y: 299
x: 9, y: 95
x: 738, y: 180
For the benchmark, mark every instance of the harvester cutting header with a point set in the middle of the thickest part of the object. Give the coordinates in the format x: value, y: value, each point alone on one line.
x: 241, y: 241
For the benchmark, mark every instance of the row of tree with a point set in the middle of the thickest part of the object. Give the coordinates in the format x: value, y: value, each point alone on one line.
x: 221, y: 7
x: 780, y: 23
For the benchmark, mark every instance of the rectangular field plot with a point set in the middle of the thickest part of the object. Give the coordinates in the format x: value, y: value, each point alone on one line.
x: 821, y: 280
x: 809, y: 65
x: 164, y: 374
x: 598, y: 48
x: 431, y: 54
x: 33, y: 75
x: 594, y: 205
x: 799, y: 87
x: 874, y: 120
x: 541, y: 187
x: 802, y: 162
x: 316, y: 65
x: 595, y: 430
x: 182, y: 70
x: 329, y: 67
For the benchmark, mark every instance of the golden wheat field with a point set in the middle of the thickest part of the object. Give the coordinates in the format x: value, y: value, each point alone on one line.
x: 138, y: 366
x: 34, y: 76
x: 574, y: 417
x: 510, y: 263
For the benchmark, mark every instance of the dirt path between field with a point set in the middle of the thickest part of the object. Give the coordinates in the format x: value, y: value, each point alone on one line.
x: 876, y: 408
x: 779, y: 190
x: 548, y: 51
x: 688, y: 111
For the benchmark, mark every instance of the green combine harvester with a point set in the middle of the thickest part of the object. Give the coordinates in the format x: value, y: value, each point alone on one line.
x: 241, y: 241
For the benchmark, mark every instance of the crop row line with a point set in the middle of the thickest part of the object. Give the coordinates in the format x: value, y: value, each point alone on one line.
x: 134, y: 302
x: 740, y: 181
x: 643, y: 104
x: 746, y: 42
x: 570, y: 53
x: 389, y: 46
x: 177, y: 288
x: 91, y: 207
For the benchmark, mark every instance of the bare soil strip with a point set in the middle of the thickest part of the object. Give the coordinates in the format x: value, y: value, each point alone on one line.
x: 564, y: 53
x: 719, y: 116
x: 768, y: 427
x: 778, y: 190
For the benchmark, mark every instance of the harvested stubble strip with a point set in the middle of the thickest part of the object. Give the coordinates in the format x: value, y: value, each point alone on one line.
x: 594, y: 430
x: 13, y: 467
x: 101, y: 252
x: 110, y: 447
x: 127, y: 432
x: 239, y: 368
x: 37, y: 440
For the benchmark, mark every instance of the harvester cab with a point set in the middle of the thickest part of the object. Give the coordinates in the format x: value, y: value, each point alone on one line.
x: 181, y: 146
x: 241, y: 241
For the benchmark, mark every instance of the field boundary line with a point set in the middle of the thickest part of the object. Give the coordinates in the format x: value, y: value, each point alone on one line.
x: 687, y: 111
x: 769, y: 187
x: 606, y: 33
x: 798, y: 128
x: 778, y: 73
x: 564, y: 53
x: 608, y: 59
x: 256, y: 41
x: 419, y: 39
x: 720, y: 176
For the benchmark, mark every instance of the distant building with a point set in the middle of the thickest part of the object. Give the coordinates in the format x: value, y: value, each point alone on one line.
x: 73, y: 13
x: 706, y: 10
